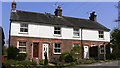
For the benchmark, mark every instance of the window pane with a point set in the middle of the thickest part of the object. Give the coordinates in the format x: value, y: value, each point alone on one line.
x: 22, y: 43
x: 57, y: 48
x: 76, y: 34
x: 26, y: 30
x: 57, y: 32
x: 22, y: 49
x: 23, y: 27
x: 100, y: 36
x: 56, y: 28
x: 76, y: 44
x: 76, y: 30
x: 22, y: 46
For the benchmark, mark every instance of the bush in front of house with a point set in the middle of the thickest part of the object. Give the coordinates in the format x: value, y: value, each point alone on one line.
x: 76, y: 52
x: 21, y: 56
x: 10, y: 62
x: 20, y: 63
x: 12, y: 52
x: 85, y: 61
x: 67, y: 57
x: 41, y: 62
x: 110, y: 56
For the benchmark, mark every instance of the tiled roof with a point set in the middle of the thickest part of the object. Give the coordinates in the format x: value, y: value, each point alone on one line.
x: 48, y: 19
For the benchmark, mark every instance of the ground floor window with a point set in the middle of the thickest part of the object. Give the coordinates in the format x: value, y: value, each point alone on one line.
x: 57, y: 48
x: 76, y: 45
x: 102, y: 49
x: 22, y: 46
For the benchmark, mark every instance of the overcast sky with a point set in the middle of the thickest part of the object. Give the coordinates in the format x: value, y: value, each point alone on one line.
x: 106, y: 12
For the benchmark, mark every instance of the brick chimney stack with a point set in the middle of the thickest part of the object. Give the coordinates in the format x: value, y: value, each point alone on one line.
x: 58, y: 11
x: 13, y: 6
x: 93, y: 16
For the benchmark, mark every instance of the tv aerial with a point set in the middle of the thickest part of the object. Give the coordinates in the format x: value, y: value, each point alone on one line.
x: 58, y: 4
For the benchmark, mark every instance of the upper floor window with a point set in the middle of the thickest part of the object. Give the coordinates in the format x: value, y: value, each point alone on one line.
x: 22, y: 46
x: 101, y: 34
x: 57, y: 48
x: 57, y: 30
x: 23, y: 27
x: 76, y: 32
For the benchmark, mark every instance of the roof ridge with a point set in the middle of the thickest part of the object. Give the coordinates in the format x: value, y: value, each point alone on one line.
x: 29, y: 12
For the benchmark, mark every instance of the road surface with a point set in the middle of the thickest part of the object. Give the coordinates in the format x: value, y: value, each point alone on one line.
x: 112, y: 64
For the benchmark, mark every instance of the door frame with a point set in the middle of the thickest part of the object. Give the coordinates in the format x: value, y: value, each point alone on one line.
x: 47, y: 50
x: 32, y: 50
x: 84, y: 52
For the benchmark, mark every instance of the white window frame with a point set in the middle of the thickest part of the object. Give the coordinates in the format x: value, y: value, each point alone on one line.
x: 23, y: 27
x: 57, y: 30
x: 76, y: 44
x: 22, y: 46
x: 102, y: 48
x: 76, y: 31
x: 57, y: 48
x: 101, y: 33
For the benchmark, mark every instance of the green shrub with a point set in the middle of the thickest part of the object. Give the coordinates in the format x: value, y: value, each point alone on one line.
x: 76, y: 52
x: 11, y: 62
x: 20, y: 63
x: 67, y: 57
x: 85, y: 61
x: 21, y: 56
x: 41, y: 62
x: 110, y: 56
x: 12, y: 52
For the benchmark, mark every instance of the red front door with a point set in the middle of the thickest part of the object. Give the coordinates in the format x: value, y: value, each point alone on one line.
x: 35, y: 49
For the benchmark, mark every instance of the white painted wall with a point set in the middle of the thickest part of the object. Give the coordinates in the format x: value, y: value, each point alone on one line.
x: 93, y: 35
x: 48, y: 32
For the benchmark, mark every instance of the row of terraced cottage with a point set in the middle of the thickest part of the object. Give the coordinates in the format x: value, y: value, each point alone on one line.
x: 35, y: 33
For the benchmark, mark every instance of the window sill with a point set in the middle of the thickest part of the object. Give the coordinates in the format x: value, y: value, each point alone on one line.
x: 76, y: 36
x: 101, y: 38
x: 102, y: 53
x: 22, y: 52
x: 57, y: 35
x: 57, y: 53
x: 23, y: 32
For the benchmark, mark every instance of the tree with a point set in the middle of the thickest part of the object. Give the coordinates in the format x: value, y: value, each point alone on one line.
x: 12, y: 52
x: 116, y: 42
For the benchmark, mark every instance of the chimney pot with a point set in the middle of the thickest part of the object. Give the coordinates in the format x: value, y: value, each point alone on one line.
x: 13, y: 6
x: 93, y: 16
x: 58, y: 11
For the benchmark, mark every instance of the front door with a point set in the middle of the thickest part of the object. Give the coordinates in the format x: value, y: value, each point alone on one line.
x: 45, y: 49
x: 35, y: 50
x: 86, y: 52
